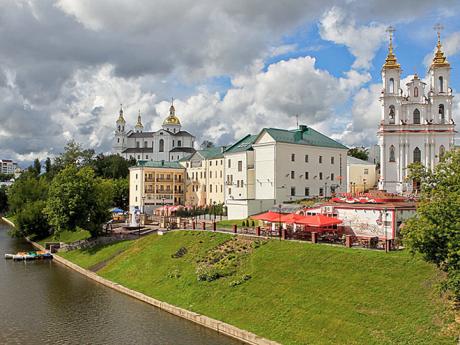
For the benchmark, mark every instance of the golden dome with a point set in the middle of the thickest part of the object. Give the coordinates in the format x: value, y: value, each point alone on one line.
x: 172, y: 119
x: 390, y: 61
x: 439, y: 59
x: 121, y: 119
x: 139, y: 124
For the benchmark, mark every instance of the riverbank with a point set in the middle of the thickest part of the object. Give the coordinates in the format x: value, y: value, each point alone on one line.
x: 293, y: 293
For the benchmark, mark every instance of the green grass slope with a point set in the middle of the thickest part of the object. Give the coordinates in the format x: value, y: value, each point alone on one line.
x: 298, y: 293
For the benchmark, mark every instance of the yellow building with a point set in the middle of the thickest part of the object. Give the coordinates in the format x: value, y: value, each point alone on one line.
x: 361, y: 175
x: 205, y: 177
x: 154, y: 184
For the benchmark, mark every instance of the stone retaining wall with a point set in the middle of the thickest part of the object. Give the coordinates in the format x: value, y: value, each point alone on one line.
x: 218, y: 326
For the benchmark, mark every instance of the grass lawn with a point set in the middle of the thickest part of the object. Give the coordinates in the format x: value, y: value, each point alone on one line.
x: 89, y: 258
x: 67, y: 237
x: 298, y: 293
x: 238, y: 222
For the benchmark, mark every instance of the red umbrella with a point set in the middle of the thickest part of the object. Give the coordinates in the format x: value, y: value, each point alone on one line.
x: 319, y: 220
x: 268, y: 216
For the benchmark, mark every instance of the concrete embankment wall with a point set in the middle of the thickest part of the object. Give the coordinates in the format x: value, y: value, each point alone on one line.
x: 216, y: 325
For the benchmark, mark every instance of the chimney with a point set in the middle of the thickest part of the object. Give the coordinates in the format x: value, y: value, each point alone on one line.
x: 303, y: 128
x: 222, y: 149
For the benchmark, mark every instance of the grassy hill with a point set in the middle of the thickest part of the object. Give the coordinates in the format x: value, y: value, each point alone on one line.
x: 294, y: 293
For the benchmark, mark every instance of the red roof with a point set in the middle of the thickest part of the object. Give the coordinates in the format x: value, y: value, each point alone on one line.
x: 318, y: 220
x: 268, y: 216
x: 291, y: 218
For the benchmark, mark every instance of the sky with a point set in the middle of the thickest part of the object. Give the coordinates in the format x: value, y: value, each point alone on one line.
x: 232, y: 67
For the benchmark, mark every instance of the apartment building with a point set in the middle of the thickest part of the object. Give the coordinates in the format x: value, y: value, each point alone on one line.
x: 361, y: 175
x: 7, y: 166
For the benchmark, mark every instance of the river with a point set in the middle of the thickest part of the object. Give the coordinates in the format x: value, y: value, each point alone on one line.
x: 42, y: 302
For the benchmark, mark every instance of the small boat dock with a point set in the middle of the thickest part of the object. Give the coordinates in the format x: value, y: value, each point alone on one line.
x: 32, y: 255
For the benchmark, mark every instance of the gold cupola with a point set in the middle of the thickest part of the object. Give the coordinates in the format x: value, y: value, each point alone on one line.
x: 172, y: 119
x: 121, y: 119
x: 391, y: 61
x: 439, y: 60
x: 139, y: 126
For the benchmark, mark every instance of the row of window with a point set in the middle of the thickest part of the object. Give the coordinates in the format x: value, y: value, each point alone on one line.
x: 416, y: 115
x: 197, y: 188
x: 391, y: 86
x: 203, y: 175
x: 307, y: 191
x: 417, y: 154
x: 306, y: 175
x: 306, y: 158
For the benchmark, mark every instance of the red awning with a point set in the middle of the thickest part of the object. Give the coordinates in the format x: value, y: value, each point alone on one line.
x: 268, y: 216
x: 291, y: 218
x: 318, y: 220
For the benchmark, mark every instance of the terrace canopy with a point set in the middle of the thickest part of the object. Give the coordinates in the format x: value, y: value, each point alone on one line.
x: 268, y: 216
x: 318, y: 220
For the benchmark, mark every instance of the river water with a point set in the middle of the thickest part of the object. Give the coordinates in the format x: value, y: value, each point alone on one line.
x: 42, y: 302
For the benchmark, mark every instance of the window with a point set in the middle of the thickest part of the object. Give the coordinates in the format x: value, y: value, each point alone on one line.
x: 391, y: 114
x: 442, y: 118
x: 392, y: 154
x: 119, y: 128
x: 416, y: 116
x: 210, y: 188
x: 229, y: 163
x: 417, y: 155
x: 320, y: 159
x: 306, y: 175
x: 238, y: 183
x: 118, y: 139
x: 179, y: 143
x: 441, y: 84
x: 332, y: 160
x: 221, y: 174
x: 442, y: 151
x: 320, y: 175
x: 332, y: 176
x: 229, y: 191
x: 292, y: 191
x: 415, y: 91
x: 136, y: 188
x: 321, y: 191
x: 173, y: 144
x: 391, y: 86
x: 306, y: 158
x: 307, y: 191
x: 292, y: 174
x: 240, y: 165
x: 210, y: 163
x: 146, y: 144
x: 366, y: 171
x: 146, y: 156
x: 293, y: 157
x: 138, y: 157
x: 138, y: 144
x: 162, y: 145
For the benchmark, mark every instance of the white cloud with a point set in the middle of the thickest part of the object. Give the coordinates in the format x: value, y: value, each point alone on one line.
x: 340, y: 27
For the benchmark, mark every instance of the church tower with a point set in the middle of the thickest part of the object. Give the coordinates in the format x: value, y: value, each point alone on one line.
x: 139, y: 126
x: 172, y: 122
x: 120, y: 140
x: 416, y: 125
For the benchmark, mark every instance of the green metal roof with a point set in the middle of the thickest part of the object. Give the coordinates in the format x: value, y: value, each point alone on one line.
x: 307, y: 137
x: 244, y: 144
x: 212, y: 153
x: 159, y: 164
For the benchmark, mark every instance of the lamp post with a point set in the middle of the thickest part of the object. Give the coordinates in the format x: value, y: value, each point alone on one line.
x: 279, y: 219
x: 385, y: 228
x: 325, y: 190
x: 214, y: 210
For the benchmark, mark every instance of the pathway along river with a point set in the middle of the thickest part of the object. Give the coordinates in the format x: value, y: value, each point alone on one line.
x: 42, y: 302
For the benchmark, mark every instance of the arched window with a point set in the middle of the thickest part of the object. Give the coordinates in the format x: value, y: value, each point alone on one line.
x: 416, y: 117
x: 392, y: 154
x: 391, y: 86
x: 417, y: 155
x: 415, y: 91
x: 391, y: 114
x: 442, y: 118
x: 442, y: 151
x: 162, y: 145
x: 119, y: 128
x: 441, y: 84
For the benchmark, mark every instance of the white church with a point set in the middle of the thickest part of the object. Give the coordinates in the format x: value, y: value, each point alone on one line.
x: 170, y: 143
x: 416, y: 124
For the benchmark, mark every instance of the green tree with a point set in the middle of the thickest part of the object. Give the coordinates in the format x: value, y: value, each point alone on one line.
x: 121, y: 193
x: 27, y: 188
x: 31, y: 221
x: 73, y: 154
x: 112, y: 166
x: 359, y: 152
x: 3, y: 199
x: 206, y: 144
x: 435, y: 229
x: 48, y: 165
x: 77, y: 198
x: 5, y: 177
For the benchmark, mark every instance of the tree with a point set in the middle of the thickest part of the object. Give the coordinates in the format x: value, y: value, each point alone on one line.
x: 5, y: 177
x: 121, y: 193
x: 359, y: 152
x: 31, y: 221
x: 27, y: 188
x: 112, y: 166
x: 3, y: 199
x: 77, y: 199
x: 206, y: 144
x: 435, y: 229
x: 48, y: 165
x: 73, y: 154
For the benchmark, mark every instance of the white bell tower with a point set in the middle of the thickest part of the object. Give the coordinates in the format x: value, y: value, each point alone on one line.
x: 120, y: 140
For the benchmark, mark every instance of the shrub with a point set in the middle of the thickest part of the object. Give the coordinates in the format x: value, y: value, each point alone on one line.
x: 180, y: 253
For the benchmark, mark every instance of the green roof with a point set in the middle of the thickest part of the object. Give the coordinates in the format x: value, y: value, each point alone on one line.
x: 244, y: 144
x: 159, y: 164
x: 307, y: 137
x: 212, y: 153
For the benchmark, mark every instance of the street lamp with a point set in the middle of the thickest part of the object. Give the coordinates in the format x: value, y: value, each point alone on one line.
x: 385, y: 228
x: 279, y: 219
x: 214, y: 210
x: 325, y: 190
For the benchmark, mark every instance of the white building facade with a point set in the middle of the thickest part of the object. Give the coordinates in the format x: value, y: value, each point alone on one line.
x: 168, y: 144
x: 7, y: 166
x: 279, y: 165
x: 416, y: 124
